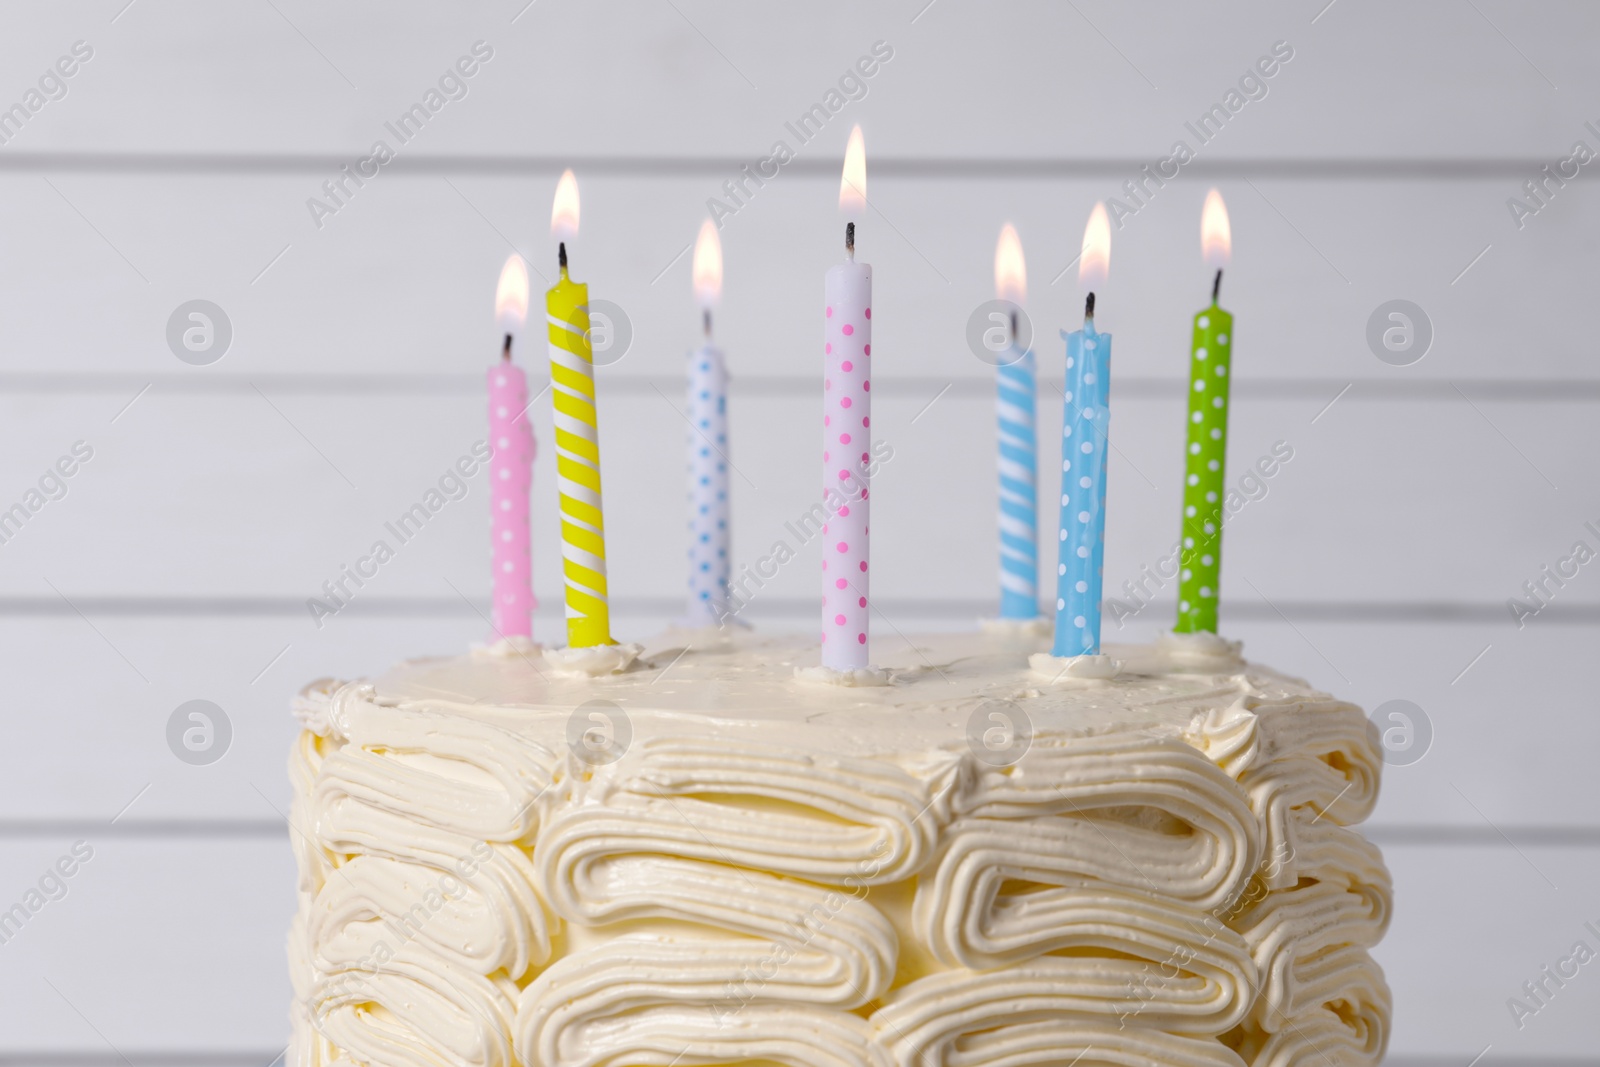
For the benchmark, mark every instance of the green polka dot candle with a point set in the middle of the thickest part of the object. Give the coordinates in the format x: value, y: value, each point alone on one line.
x: 1206, y: 447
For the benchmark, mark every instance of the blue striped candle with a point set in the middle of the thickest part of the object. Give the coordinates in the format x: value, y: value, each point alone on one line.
x: 1016, y: 401
x: 1086, y: 419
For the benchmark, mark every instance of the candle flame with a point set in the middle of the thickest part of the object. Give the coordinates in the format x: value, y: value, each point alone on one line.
x: 1216, y: 236
x: 1094, y: 264
x: 511, y: 295
x: 1010, y: 269
x: 708, y: 266
x: 853, y: 182
x: 564, y: 209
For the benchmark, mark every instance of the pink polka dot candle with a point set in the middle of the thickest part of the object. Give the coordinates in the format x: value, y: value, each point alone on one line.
x: 846, y: 436
x: 510, y: 465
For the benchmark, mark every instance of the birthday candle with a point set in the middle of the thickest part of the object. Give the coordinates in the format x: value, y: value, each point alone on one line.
x: 1204, y: 485
x: 511, y: 464
x: 1086, y: 420
x: 1016, y: 400
x: 846, y: 434
x: 708, y: 444
x: 583, y: 537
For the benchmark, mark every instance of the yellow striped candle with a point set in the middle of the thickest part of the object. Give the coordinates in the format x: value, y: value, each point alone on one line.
x: 583, y: 532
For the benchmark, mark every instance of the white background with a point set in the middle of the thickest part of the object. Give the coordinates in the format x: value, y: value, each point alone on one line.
x: 219, y: 498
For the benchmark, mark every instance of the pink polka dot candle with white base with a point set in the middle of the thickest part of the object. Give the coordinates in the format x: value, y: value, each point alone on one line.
x: 510, y: 465
x: 847, y: 437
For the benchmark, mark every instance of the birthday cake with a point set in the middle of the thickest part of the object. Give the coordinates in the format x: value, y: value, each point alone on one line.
x: 705, y: 860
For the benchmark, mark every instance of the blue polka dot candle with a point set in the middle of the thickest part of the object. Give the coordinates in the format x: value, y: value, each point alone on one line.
x: 1016, y: 401
x: 846, y: 435
x: 1205, y: 452
x: 1086, y: 420
x: 708, y: 449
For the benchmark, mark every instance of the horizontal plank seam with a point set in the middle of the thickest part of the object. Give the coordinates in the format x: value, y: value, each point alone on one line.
x: 1370, y: 168
x: 125, y: 1057
x: 132, y: 605
x: 265, y: 1057
x: 1391, y: 834
x: 1558, y: 390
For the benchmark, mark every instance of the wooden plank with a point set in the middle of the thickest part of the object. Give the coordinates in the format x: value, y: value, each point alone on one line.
x: 251, y: 494
x: 1008, y: 78
x: 1470, y: 927
x: 178, y: 946
x: 400, y: 280
x: 168, y: 946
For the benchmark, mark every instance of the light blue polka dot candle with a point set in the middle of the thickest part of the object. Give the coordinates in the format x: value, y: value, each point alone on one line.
x: 1086, y: 419
x: 708, y: 488
x: 708, y: 450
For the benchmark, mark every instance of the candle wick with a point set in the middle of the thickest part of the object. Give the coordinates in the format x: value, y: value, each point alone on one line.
x: 561, y: 256
x: 1088, y: 309
x: 850, y: 239
x: 706, y: 318
x: 1015, y: 342
x: 1216, y: 286
x: 505, y: 353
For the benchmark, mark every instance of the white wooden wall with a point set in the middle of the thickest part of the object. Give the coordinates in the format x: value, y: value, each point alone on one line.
x: 218, y: 498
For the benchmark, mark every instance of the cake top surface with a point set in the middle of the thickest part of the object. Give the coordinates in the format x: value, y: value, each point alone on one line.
x: 943, y: 686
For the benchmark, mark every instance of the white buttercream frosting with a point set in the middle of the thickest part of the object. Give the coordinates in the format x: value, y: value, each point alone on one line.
x: 1074, y: 670
x: 755, y: 869
x: 1200, y: 651
x: 850, y: 678
x: 592, y: 661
